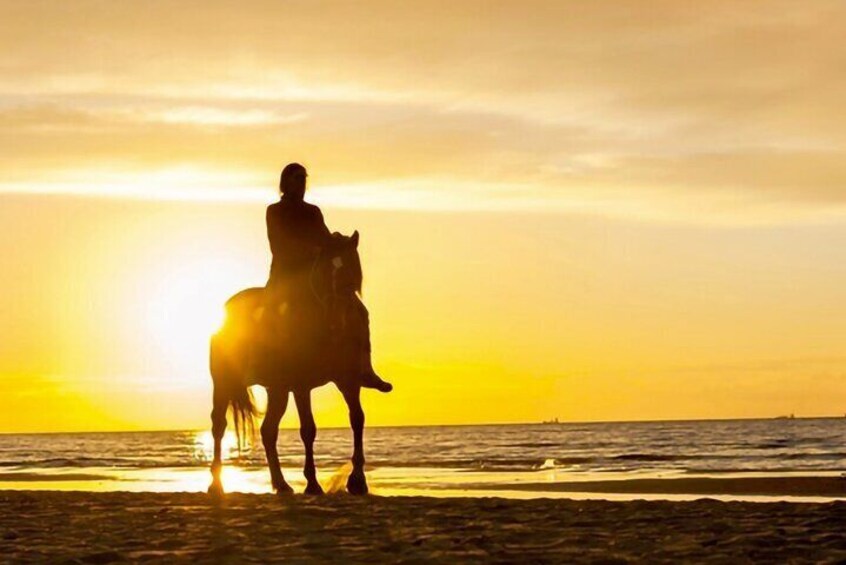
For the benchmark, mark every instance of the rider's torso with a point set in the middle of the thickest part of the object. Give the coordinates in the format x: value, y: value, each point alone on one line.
x: 295, y: 230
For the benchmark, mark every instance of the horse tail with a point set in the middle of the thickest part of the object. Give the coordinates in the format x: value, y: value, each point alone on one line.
x: 231, y: 393
x: 243, y: 408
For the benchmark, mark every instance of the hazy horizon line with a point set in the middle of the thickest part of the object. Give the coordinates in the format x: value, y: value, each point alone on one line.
x: 469, y: 425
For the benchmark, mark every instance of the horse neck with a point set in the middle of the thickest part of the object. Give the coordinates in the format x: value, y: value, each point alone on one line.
x: 353, y: 266
x: 339, y: 280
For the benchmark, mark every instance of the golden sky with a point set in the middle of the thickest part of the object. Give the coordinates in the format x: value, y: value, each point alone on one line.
x: 590, y: 211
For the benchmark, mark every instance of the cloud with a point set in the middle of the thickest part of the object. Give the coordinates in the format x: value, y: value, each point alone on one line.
x: 723, y: 112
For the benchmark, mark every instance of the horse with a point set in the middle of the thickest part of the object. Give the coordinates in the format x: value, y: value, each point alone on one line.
x: 262, y: 342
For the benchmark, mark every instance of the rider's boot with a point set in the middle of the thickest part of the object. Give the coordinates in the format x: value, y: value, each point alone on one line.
x: 369, y: 378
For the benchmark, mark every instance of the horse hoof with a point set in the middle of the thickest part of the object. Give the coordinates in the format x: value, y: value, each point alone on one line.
x: 313, y: 488
x: 283, y: 490
x: 357, y: 483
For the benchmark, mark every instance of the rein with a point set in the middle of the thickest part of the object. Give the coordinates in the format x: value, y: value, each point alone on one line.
x: 314, y: 265
x: 332, y: 297
x: 337, y: 263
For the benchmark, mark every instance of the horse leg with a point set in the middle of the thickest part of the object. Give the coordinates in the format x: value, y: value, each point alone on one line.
x: 308, y: 432
x: 277, y: 402
x: 218, y: 418
x: 356, y: 483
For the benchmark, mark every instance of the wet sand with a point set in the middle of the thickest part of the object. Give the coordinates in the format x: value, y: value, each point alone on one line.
x: 86, y: 527
x: 828, y: 487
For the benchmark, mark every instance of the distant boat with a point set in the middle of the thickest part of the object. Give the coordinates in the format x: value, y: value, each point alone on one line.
x: 791, y: 417
x: 553, y: 421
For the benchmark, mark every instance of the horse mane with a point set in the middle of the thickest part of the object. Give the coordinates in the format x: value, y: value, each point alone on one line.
x: 357, y: 273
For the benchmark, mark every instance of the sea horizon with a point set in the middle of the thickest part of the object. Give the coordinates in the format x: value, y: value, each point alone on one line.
x: 468, y: 425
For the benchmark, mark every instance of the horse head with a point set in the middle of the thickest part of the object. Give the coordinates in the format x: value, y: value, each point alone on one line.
x: 345, y: 264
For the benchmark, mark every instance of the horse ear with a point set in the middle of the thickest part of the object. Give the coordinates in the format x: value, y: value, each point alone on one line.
x: 354, y: 238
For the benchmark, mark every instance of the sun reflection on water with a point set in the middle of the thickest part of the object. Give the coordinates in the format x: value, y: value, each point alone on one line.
x: 204, y: 446
x: 235, y: 479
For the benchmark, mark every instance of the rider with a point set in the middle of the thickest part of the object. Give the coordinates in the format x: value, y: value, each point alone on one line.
x: 297, y: 233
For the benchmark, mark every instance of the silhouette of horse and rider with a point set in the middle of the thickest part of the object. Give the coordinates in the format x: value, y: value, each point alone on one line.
x: 307, y: 327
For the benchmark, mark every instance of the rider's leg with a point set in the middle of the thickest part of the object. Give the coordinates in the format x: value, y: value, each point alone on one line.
x: 277, y: 308
x: 369, y: 378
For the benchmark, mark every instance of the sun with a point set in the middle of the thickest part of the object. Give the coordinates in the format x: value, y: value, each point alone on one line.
x: 184, y: 307
x: 188, y: 303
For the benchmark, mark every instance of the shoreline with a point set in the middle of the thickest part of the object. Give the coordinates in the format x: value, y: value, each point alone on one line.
x: 45, y: 526
x: 753, y: 488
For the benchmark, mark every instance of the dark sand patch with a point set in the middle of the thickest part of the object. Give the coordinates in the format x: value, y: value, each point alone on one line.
x: 830, y: 487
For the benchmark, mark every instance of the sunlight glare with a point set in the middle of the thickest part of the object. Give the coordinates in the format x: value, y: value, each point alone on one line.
x: 204, y: 446
x: 184, y: 308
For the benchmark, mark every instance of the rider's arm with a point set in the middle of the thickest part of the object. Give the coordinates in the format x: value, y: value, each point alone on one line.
x: 322, y: 234
x: 273, y: 232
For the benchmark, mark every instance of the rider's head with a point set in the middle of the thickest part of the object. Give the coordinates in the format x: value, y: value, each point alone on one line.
x: 292, y: 183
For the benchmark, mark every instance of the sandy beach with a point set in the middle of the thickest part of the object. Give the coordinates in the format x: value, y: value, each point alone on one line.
x: 85, y: 527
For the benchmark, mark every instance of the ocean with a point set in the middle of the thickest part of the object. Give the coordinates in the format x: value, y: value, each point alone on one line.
x: 439, y: 460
